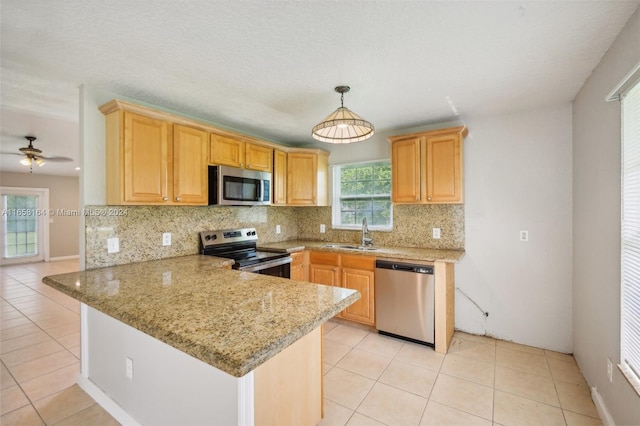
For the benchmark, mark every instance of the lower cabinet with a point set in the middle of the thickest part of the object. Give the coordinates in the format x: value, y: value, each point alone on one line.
x: 358, y: 274
x: 348, y: 271
x: 300, y: 266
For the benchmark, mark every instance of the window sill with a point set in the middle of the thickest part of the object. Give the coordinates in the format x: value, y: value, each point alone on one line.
x: 359, y: 228
x: 631, y: 377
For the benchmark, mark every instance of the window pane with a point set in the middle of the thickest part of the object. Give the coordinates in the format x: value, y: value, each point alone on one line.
x: 348, y: 218
x: 349, y: 188
x: 362, y: 190
x: 20, y: 225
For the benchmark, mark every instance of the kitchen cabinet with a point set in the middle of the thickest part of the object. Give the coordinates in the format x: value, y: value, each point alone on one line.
x: 151, y: 161
x: 300, y: 266
x: 324, y: 268
x: 358, y: 274
x: 279, y: 177
x: 307, y: 178
x: 230, y: 151
x: 426, y: 167
x: 348, y: 271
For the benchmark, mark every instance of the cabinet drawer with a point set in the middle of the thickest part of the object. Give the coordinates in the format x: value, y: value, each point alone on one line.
x: 321, y: 258
x: 367, y: 263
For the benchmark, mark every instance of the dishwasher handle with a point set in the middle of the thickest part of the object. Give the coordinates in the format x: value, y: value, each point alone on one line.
x: 406, y: 267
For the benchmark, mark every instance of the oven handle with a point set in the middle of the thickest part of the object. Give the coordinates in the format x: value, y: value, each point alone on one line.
x: 266, y: 265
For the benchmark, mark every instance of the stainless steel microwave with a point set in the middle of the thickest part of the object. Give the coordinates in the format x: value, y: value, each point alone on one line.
x: 232, y: 186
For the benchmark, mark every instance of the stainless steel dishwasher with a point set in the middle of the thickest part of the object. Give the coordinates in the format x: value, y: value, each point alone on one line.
x: 405, y: 300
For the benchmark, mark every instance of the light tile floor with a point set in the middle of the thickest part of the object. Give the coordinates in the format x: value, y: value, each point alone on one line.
x: 369, y: 379
x: 372, y: 379
x: 40, y: 351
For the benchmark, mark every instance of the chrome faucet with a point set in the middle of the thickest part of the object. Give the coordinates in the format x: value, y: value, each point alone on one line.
x: 367, y: 238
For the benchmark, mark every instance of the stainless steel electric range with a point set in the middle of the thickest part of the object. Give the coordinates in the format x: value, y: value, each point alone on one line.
x: 240, y: 245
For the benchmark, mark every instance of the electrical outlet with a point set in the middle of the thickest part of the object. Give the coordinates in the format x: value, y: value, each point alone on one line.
x: 129, y: 366
x: 166, y: 239
x: 610, y: 370
x: 278, y: 229
x: 113, y: 245
x: 436, y: 233
x: 323, y: 229
x: 524, y: 235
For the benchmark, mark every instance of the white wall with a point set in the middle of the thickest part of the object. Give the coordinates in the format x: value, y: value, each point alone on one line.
x: 518, y: 177
x: 596, y: 226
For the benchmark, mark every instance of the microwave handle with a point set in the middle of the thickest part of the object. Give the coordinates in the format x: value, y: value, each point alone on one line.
x: 260, y: 190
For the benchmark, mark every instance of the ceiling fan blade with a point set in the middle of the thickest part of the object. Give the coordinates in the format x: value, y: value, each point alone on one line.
x: 55, y: 159
x: 12, y: 153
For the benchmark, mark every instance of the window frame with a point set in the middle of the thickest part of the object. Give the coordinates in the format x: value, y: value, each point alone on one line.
x: 629, y: 335
x: 336, y: 197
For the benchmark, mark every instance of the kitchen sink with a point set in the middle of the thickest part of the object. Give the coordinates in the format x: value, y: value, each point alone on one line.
x: 349, y: 247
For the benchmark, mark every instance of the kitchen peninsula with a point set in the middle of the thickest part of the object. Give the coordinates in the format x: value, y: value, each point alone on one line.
x: 187, y: 340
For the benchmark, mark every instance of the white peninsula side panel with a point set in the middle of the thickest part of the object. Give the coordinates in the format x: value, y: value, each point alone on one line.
x: 167, y: 386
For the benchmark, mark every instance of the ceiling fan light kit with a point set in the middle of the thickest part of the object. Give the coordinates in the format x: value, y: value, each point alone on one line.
x: 33, y: 155
x: 343, y: 125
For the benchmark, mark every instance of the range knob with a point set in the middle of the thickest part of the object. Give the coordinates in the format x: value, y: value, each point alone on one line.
x: 208, y: 237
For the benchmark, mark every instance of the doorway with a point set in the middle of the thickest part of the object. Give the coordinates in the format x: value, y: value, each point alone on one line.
x: 24, y: 233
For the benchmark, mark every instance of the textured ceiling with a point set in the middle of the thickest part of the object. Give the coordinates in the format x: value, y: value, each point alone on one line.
x: 269, y: 67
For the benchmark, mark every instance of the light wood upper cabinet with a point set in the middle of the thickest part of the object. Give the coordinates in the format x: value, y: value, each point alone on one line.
x: 229, y: 151
x: 140, y: 160
x: 279, y: 176
x: 258, y: 157
x: 190, y: 171
x: 426, y: 167
x: 150, y: 161
x: 442, y: 181
x: 226, y: 151
x: 405, y: 171
x: 307, y: 179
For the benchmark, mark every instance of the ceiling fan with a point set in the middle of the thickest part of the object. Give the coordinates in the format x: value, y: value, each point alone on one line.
x: 34, y: 155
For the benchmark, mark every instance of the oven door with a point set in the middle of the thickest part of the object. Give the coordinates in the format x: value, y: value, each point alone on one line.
x: 280, y: 267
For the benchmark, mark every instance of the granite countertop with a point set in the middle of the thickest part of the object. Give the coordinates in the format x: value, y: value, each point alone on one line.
x: 232, y: 320
x: 407, y: 253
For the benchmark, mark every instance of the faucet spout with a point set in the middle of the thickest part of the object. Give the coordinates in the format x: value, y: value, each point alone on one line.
x: 367, y: 238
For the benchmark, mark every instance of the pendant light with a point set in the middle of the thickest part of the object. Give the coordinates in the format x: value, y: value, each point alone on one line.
x: 343, y: 125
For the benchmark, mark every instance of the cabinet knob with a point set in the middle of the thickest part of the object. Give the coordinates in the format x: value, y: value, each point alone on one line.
x: 428, y: 198
x: 417, y: 198
x: 241, y: 164
x: 178, y: 198
x: 165, y: 198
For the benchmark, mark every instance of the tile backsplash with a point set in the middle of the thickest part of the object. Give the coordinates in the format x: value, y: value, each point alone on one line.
x: 140, y: 228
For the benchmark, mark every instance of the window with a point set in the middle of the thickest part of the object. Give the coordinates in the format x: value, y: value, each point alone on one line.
x: 630, y: 291
x: 362, y: 190
x: 24, y: 232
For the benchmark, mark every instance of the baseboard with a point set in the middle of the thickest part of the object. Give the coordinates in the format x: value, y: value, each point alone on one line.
x: 55, y: 259
x: 110, y: 406
x: 603, y: 412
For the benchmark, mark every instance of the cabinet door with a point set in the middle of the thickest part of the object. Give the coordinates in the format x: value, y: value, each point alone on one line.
x: 405, y: 171
x: 258, y: 157
x: 302, y: 175
x: 442, y: 169
x: 324, y: 274
x: 300, y: 266
x: 363, y: 310
x: 226, y: 151
x: 190, y: 171
x: 145, y: 155
x: 279, y: 177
